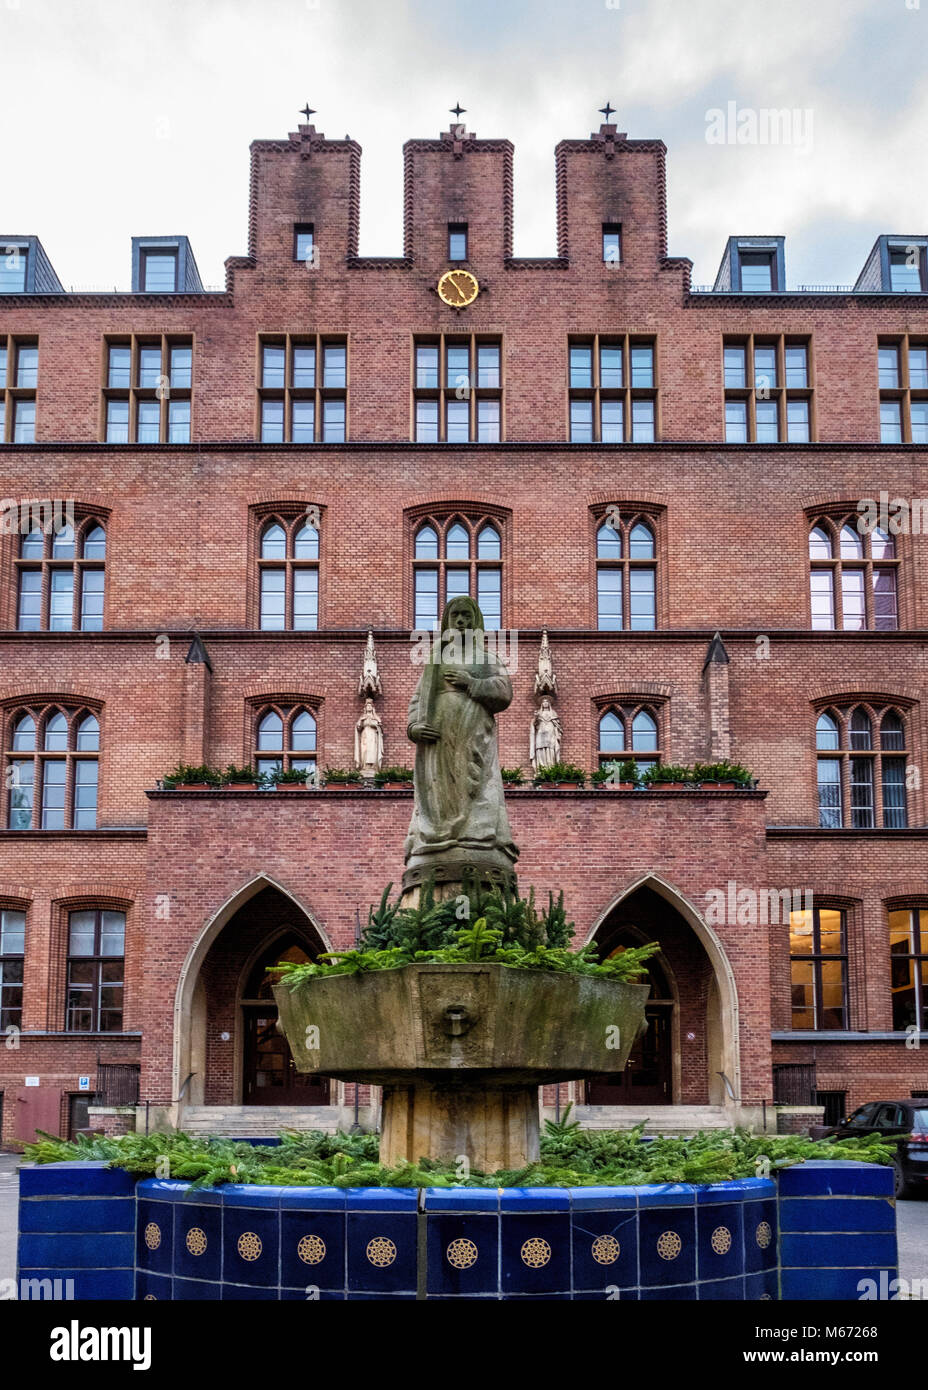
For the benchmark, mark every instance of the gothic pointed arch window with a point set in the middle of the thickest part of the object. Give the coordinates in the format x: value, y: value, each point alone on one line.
x: 630, y: 732
x: 861, y: 765
x: 626, y: 572
x: 288, y: 570
x: 285, y: 738
x: 51, y: 757
x: 853, y: 576
x: 458, y: 553
x: 60, y: 577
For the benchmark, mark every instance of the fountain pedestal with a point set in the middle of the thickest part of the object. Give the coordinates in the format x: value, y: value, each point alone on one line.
x: 461, y: 1050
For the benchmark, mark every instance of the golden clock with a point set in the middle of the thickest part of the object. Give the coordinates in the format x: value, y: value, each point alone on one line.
x: 458, y: 288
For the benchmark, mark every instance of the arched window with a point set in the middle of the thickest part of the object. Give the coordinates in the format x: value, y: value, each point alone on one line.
x: 288, y: 573
x: 626, y: 574
x: 285, y: 738
x: 453, y: 556
x: 629, y: 732
x: 861, y: 768
x: 51, y: 761
x: 853, y: 577
x: 60, y: 578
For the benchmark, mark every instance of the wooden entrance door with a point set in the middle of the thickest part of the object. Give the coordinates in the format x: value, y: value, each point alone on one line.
x: 647, y: 1078
x: 270, y: 1077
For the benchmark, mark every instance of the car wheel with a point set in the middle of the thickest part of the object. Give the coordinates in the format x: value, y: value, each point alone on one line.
x: 901, y: 1187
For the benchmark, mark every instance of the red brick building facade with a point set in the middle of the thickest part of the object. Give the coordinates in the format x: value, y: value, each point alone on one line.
x: 657, y: 465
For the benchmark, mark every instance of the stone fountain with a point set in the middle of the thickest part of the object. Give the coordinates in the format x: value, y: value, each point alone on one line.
x: 460, y: 1049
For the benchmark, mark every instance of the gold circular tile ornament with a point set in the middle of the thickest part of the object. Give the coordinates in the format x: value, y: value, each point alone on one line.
x: 458, y: 288
x: 764, y: 1234
x: 381, y: 1252
x: 196, y: 1240
x: 606, y: 1250
x: 149, y: 1298
x: 535, y: 1253
x: 461, y: 1253
x: 153, y: 1235
x: 311, y: 1250
x: 721, y: 1240
x: 249, y: 1245
x: 669, y: 1245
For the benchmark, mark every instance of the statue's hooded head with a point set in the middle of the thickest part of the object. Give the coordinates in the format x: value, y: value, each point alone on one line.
x: 461, y: 615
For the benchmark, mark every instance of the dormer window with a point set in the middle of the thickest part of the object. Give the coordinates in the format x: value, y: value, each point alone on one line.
x: 13, y: 263
x: 756, y: 272
x: 907, y: 269
x: 159, y: 272
x: 457, y: 241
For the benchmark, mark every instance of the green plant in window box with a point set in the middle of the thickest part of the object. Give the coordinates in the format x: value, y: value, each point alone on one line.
x: 560, y: 775
x: 394, y: 777
x: 623, y: 776
x: 241, y: 778
x: 723, y: 774
x: 671, y: 775
x: 192, y: 778
x: 343, y: 777
x: 294, y: 779
x: 512, y: 776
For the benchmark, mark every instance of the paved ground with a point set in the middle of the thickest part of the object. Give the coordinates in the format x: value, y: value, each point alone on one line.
x: 913, y: 1229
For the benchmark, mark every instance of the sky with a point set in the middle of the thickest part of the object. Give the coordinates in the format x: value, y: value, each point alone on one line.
x: 125, y: 118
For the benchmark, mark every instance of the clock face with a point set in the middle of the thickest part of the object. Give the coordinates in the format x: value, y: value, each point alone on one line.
x: 458, y: 288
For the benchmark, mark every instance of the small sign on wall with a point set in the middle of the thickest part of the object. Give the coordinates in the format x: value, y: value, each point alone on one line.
x: 31, y: 1081
x: 83, y: 1083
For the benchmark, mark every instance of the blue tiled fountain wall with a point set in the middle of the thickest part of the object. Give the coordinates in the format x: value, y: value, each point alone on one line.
x: 813, y: 1233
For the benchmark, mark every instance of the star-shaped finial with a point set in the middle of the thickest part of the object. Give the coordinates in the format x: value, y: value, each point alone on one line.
x: 307, y: 111
x: 457, y: 110
x: 607, y: 110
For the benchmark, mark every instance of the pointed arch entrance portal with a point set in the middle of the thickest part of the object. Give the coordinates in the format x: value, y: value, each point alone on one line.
x: 227, y: 1048
x: 691, y: 1047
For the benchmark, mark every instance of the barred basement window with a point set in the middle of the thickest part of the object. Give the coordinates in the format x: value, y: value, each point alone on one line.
x: 612, y: 388
x: 853, y: 577
x: 60, y: 578
x: 903, y: 377
x: 12, y: 949
x: 19, y: 368
x: 908, y: 950
x: 147, y: 390
x: 768, y: 390
x: 861, y: 768
x: 629, y: 732
x: 818, y: 969
x: 288, y: 574
x: 453, y: 556
x: 303, y: 389
x: 457, y: 390
x: 51, y: 756
x: 96, y: 967
x: 626, y: 574
x: 285, y: 738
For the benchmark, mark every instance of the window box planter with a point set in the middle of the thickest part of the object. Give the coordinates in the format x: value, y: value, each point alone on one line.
x: 297, y: 787
x: 616, y: 786
x: 718, y: 786
x: 669, y: 786
x: 241, y: 786
x: 559, y: 786
x: 191, y: 787
x: 395, y: 786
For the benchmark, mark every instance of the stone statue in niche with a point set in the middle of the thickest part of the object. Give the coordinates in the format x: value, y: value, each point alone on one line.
x: 368, y: 741
x: 545, y: 737
x: 370, y: 683
x: 545, y: 679
x: 459, y: 823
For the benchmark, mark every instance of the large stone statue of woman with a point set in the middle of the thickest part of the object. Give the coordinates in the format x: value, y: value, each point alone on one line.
x: 459, y: 825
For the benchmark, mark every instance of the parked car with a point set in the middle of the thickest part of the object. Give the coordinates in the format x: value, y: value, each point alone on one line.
x: 906, y: 1120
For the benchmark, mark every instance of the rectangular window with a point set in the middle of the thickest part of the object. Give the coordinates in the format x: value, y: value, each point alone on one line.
x: 581, y: 367
x: 920, y: 422
x: 147, y: 390
x: 305, y: 599
x: 488, y: 377
x: 905, y: 270
x: 642, y: 366
x: 273, y: 600
x: 30, y: 601
x: 21, y: 794
x: 457, y: 241
x: 457, y: 391
x: 334, y: 366
x: 178, y: 422
x: 272, y: 422
x: 818, y: 969
x: 642, y: 422
x: 159, y: 272
x: 427, y: 367
x: 304, y: 367
x: 918, y: 369
x: 736, y: 422
x: 14, y: 261
x: 890, y: 422
x: 427, y: 422
x: 611, y: 373
x: 862, y: 794
x: 612, y: 422
x: 119, y: 368
x: 609, y: 599
x: 85, y: 794
x: 53, y: 793
x: 458, y: 367
x: 797, y: 422
x: 149, y: 421
x: 765, y: 367
x: 426, y: 599
x: 489, y: 597
x: 768, y: 429
x: 797, y: 365
x: 735, y: 366
x: 895, y: 815
x: 612, y: 243
x: 273, y: 361
x: 908, y: 948
x: 457, y: 421
x: 92, y: 601
x: 181, y: 367
x: 12, y: 949
x: 61, y: 601
x: 488, y: 422
x: 96, y: 951
x: 23, y: 422
x: 303, y: 421
x: 149, y: 368
x: 27, y: 366
x: 829, y: 793
x: 823, y: 599
x: 888, y: 358
x: 303, y: 241
x: 642, y: 600
x: 756, y: 272
x: 333, y: 421
x: 852, y: 600
x: 581, y: 422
